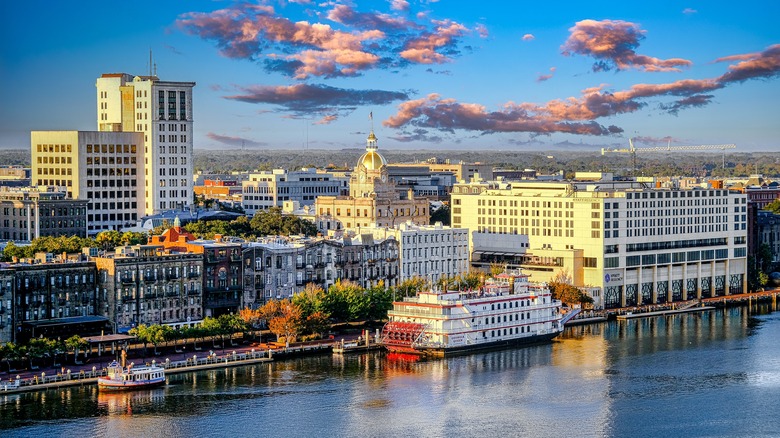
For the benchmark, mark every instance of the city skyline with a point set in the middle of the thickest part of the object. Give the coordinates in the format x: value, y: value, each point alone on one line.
x: 434, y: 75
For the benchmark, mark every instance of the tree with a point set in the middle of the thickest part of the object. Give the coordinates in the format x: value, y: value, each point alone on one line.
x: 133, y: 238
x: 773, y: 206
x: 36, y: 350
x: 287, y: 323
x: 109, y: 239
x: 310, y: 300
x: 441, y: 214
x: 229, y: 325
x: 410, y: 287
x: 316, y: 323
x: 75, y: 344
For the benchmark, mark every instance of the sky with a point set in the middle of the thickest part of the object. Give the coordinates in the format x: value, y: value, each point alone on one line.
x: 434, y: 75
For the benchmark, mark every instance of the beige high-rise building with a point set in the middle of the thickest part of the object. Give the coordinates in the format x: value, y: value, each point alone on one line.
x: 103, y: 168
x: 373, y: 199
x: 634, y: 244
x: 162, y: 112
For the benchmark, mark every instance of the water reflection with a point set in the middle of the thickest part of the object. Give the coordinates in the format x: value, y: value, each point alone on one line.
x: 679, y: 375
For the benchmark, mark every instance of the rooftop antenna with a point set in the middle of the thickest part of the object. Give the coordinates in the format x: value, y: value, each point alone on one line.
x: 371, y: 118
x: 150, y: 61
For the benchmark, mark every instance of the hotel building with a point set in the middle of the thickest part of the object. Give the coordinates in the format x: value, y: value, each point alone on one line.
x: 638, y: 245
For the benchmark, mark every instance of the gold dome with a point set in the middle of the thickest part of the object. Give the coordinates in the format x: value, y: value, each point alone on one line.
x: 372, y: 160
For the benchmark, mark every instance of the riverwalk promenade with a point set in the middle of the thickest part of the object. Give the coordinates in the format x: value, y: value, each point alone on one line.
x: 88, y: 373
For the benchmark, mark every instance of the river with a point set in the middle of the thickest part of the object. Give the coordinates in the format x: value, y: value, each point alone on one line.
x: 710, y: 374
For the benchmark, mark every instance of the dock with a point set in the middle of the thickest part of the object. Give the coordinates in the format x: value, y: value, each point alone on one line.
x: 355, y: 347
x: 631, y: 315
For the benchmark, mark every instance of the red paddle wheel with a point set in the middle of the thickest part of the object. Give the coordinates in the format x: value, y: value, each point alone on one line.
x: 400, y: 336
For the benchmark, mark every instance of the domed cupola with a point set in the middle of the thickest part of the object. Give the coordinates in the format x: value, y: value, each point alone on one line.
x: 372, y: 159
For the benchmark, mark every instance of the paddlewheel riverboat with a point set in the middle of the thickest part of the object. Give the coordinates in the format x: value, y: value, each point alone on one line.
x: 121, y: 378
x: 508, y: 310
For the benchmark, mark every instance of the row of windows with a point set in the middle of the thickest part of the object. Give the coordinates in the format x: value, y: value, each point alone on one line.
x: 56, y: 148
x: 676, y: 257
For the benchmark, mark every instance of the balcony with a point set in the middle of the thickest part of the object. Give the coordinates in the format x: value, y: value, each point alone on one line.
x: 193, y: 292
x: 126, y: 279
x: 171, y: 294
x: 171, y: 276
x: 259, y: 285
x: 151, y: 278
x: 221, y: 302
x: 192, y: 274
x: 127, y: 298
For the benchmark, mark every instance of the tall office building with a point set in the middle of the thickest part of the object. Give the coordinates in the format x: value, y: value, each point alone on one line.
x: 638, y: 245
x: 103, y: 168
x: 162, y: 112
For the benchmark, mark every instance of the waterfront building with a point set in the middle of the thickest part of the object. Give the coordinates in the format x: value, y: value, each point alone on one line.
x: 636, y: 244
x: 53, y: 299
x: 432, y: 252
x: 146, y: 284
x: 104, y: 168
x: 369, y: 261
x: 222, y: 267
x: 7, y: 282
x: 162, y: 112
x: 373, y: 199
x: 767, y: 232
x: 29, y: 213
x: 264, y: 190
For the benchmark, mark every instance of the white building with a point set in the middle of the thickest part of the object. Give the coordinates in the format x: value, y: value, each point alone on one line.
x: 104, y: 168
x: 162, y: 112
x: 431, y: 252
x: 264, y: 190
x: 637, y: 244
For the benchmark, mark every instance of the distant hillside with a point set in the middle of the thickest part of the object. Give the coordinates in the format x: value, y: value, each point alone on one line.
x: 545, y: 162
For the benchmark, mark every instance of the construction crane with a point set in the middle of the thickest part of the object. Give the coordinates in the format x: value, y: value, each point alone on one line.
x: 633, y: 150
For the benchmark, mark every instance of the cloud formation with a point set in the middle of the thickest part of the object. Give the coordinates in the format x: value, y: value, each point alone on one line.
x: 578, y: 115
x: 304, y: 98
x: 689, y: 11
x: 548, y: 76
x: 613, y: 44
x: 528, y: 37
x: 300, y: 49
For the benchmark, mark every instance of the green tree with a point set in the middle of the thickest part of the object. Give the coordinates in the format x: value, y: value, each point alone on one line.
x: 441, y: 214
x: 230, y: 324
x: 773, y: 206
x: 410, y: 287
x: 36, y: 350
x: 75, y: 344
x: 108, y: 239
x: 133, y: 238
x: 310, y: 300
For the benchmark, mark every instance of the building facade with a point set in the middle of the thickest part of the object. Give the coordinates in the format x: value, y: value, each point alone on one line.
x: 264, y: 190
x: 373, y: 199
x: 144, y: 284
x: 29, y: 213
x: 638, y: 245
x: 162, y: 112
x: 103, y: 168
x: 52, y: 299
x: 431, y: 252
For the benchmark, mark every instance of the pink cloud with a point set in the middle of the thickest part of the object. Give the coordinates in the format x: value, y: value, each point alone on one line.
x: 579, y: 114
x: 482, y: 31
x: 365, y: 40
x: 528, y: 37
x: 399, y: 5
x: 327, y: 119
x: 612, y: 43
x: 689, y: 11
x: 543, y: 78
x: 423, y: 49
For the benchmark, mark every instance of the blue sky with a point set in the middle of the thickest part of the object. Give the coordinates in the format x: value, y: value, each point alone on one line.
x: 434, y: 74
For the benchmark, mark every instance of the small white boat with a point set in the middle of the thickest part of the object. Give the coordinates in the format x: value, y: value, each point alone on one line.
x: 120, y: 378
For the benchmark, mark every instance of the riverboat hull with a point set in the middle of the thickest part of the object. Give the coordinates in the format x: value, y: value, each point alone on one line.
x: 466, y: 349
x: 110, y: 385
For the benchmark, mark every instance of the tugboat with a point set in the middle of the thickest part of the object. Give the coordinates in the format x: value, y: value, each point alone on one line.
x: 507, y: 311
x: 120, y: 377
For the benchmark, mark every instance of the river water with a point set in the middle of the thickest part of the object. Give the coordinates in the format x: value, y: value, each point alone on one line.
x: 707, y: 374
